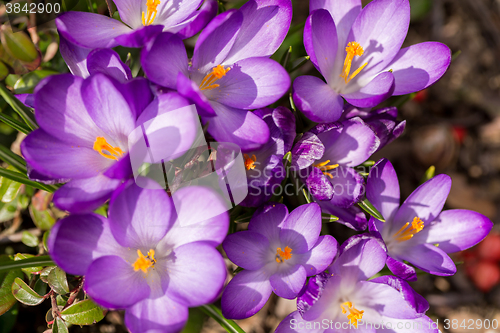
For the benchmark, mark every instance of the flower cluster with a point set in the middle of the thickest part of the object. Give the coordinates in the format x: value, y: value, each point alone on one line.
x: 155, y: 253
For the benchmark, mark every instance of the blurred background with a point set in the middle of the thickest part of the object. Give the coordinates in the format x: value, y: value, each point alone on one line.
x: 453, y: 125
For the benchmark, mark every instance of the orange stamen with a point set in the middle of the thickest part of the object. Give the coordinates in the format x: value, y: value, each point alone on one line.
x: 354, y: 314
x: 151, y: 12
x: 250, y: 162
x: 106, y: 150
x: 144, y: 263
x: 409, y: 230
x: 353, y: 49
x: 217, y: 73
x: 323, y: 166
x: 283, y: 255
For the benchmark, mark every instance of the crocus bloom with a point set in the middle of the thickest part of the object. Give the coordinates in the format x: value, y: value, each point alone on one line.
x: 230, y: 72
x: 418, y: 231
x: 358, y: 52
x: 342, y: 300
x: 324, y: 159
x: 83, y: 134
x: 146, y: 257
x: 278, y: 252
x: 141, y: 20
x: 264, y: 166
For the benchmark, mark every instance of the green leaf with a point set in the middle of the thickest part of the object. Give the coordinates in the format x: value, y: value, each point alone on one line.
x: 61, y: 300
x: 13, y: 159
x: 19, y: 45
x: 7, y: 300
x: 85, y: 312
x: 195, y: 321
x: 22, y: 110
x: 44, y: 273
x: 29, y: 270
x: 6, y: 266
x: 370, y: 209
x: 8, y: 188
x: 40, y: 287
x: 429, y: 173
x: 228, y: 324
x: 45, y: 239
x: 4, y: 71
x: 8, y: 319
x: 23, y: 179
x: 42, y: 218
x: 59, y: 326
x: 8, y: 210
x: 29, y: 239
x: 24, y: 294
x: 15, y: 124
x: 57, y: 280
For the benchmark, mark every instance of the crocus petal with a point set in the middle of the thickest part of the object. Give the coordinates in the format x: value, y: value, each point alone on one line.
x: 139, y: 37
x: 347, y: 185
x: 301, y: 229
x: 237, y: 126
x: 138, y: 94
x: 418, y: 66
x: 60, y: 110
x: 77, y: 240
x: 401, y: 269
x: 429, y: 258
x: 251, y: 83
x: 196, y: 282
x: 163, y: 59
x: 316, y: 99
x: 307, y: 150
x: 171, y: 13
x: 58, y: 159
x: 160, y: 314
x: 375, y: 92
x: 247, y: 249
x: 416, y: 301
x: 90, y: 30
x: 108, y: 108
x: 113, y: 283
x: 190, y: 90
x: 27, y: 99
x: 318, y: 185
x: 320, y: 256
x: 294, y: 323
x: 140, y: 217
x: 312, y: 291
x: 360, y: 258
x: 350, y: 145
x: 426, y: 202
x: 267, y: 220
x: 245, y: 294
x: 74, y: 56
x: 382, y: 189
x: 387, y: 301
x: 320, y: 41
x: 202, y: 17
x: 380, y: 29
x: 288, y: 283
x: 264, y: 27
x: 85, y: 195
x: 329, y: 292
x: 352, y: 217
x: 214, y: 44
x: 130, y: 12
x: 457, y: 230
x: 108, y: 62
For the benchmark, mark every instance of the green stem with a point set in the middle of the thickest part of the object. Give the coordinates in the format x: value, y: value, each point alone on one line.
x: 23, y: 111
x: 214, y: 312
x: 6, y: 266
x: 13, y: 159
x: 21, y: 178
x: 17, y: 125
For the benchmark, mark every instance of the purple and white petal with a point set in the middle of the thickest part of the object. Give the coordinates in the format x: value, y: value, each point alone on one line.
x: 302, y: 227
x: 173, y: 12
x: 416, y: 301
x: 139, y: 37
x: 108, y: 62
x: 352, y: 217
x: 199, y: 20
x: 245, y: 294
x: 382, y: 189
x: 348, y: 187
x: 190, y: 90
x: 294, y: 323
x: 288, y: 282
x: 306, y: 151
x: 320, y: 256
x: 268, y: 219
x: 318, y: 184
x: 401, y: 269
x: 374, y: 92
x: 427, y: 257
x: 74, y: 56
x: 247, y: 249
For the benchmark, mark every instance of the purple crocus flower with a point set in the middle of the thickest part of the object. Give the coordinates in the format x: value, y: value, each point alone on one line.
x: 145, y: 257
x: 358, y: 52
x: 141, y: 20
x: 265, y: 166
x: 83, y: 134
x: 278, y: 252
x: 418, y: 231
x: 342, y: 300
x: 324, y: 159
x: 230, y: 72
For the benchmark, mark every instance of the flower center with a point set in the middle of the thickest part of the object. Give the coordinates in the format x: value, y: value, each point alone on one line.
x: 408, y: 230
x: 250, y: 162
x: 151, y: 12
x: 354, y: 314
x: 144, y: 263
x: 323, y: 166
x: 106, y: 150
x: 353, y: 49
x: 217, y: 73
x: 283, y: 255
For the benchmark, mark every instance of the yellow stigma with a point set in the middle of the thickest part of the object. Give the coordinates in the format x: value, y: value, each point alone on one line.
x: 353, y: 49
x: 323, y: 166
x: 250, y: 162
x: 144, y: 263
x: 283, y: 255
x: 106, y: 150
x: 408, y: 230
x: 151, y: 12
x: 354, y: 314
x: 217, y: 73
